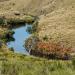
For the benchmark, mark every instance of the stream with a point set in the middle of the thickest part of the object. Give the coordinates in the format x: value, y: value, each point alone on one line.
x: 20, y: 36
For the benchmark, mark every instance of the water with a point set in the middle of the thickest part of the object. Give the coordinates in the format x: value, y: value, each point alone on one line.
x: 20, y: 36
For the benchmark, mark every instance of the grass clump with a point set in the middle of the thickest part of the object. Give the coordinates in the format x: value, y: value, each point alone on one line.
x: 8, y: 36
x: 29, y: 19
x: 15, y: 21
x: 45, y: 38
x: 1, y: 21
x: 73, y: 62
x: 36, y: 67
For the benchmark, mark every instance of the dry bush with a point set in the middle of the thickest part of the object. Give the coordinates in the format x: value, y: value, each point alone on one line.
x: 54, y: 50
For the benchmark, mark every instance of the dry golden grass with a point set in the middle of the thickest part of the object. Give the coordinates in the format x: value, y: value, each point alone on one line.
x: 57, y: 17
x: 59, y: 25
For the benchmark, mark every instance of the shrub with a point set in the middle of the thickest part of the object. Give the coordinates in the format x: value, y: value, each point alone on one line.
x: 1, y: 21
x: 15, y: 21
x: 8, y: 36
x: 11, y: 32
x: 29, y: 19
x: 0, y: 43
x: 53, y: 50
x: 12, y: 49
x: 45, y: 38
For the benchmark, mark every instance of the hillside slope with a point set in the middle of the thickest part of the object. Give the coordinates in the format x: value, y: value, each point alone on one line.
x: 38, y: 7
x: 59, y: 25
x: 57, y: 17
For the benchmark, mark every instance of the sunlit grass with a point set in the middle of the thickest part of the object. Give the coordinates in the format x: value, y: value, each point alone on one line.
x: 18, y: 64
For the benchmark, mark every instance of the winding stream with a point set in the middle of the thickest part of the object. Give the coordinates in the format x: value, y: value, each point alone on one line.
x: 20, y: 36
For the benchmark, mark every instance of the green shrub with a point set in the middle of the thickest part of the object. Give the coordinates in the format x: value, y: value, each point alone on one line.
x: 11, y: 32
x: 12, y: 49
x: 15, y: 21
x: 73, y: 63
x: 8, y: 36
x: 1, y: 21
x: 0, y: 43
x: 29, y: 19
x: 45, y: 38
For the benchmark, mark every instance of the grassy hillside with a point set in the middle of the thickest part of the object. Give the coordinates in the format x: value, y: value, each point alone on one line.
x: 18, y: 64
x: 59, y: 25
x: 38, y: 7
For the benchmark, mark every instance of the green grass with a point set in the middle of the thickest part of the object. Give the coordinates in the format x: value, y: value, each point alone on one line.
x: 18, y: 64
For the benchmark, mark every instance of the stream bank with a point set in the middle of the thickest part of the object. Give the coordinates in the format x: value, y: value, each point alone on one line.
x: 19, y: 36
x: 34, y: 45
x: 11, y: 26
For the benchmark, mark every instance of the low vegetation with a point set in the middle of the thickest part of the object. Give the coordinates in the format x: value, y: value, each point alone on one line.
x: 54, y: 50
x: 6, y: 22
x: 45, y: 38
x: 29, y: 19
x: 18, y: 64
x: 48, y: 49
x: 15, y: 21
x: 8, y: 36
x: 1, y: 21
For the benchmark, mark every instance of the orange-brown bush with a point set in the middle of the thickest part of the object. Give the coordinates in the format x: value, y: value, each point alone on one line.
x: 55, y: 49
